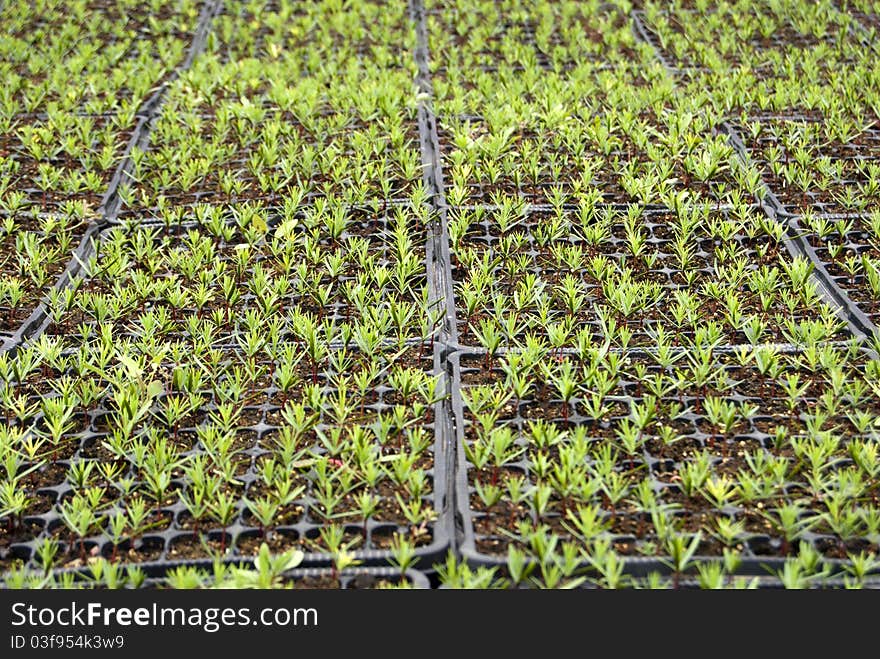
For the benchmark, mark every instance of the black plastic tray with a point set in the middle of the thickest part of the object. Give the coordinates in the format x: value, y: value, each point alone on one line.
x: 110, y: 201
x: 440, y: 499
x: 797, y: 244
x: 634, y: 566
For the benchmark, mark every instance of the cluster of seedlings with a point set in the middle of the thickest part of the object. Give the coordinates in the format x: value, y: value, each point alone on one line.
x: 75, y: 77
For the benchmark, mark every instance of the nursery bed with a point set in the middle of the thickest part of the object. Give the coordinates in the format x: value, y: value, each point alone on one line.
x: 482, y: 293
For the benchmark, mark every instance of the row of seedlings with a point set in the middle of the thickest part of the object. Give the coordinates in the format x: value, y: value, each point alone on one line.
x: 640, y: 353
x: 645, y: 224
x: 251, y: 359
x: 75, y: 75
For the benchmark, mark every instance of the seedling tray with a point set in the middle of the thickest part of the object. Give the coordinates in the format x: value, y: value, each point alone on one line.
x: 852, y: 157
x: 850, y: 294
x: 485, y: 241
x: 172, y: 536
x: 762, y: 549
x: 26, y: 320
x: 291, y: 140
x: 560, y: 48
x: 95, y: 255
